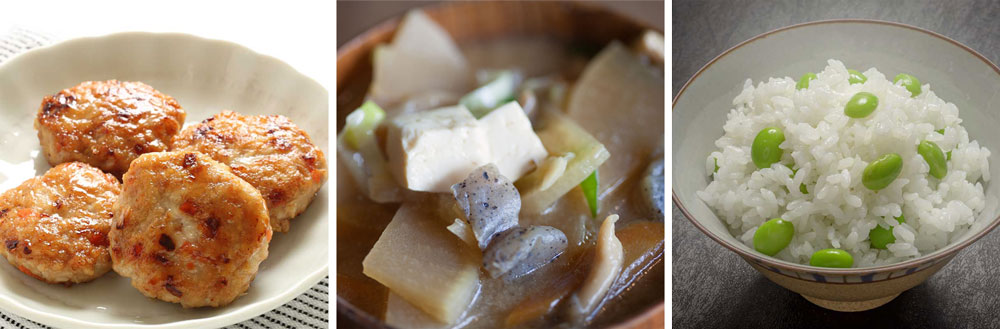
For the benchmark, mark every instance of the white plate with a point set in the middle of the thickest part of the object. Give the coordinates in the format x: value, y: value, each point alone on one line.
x: 955, y: 73
x: 205, y: 76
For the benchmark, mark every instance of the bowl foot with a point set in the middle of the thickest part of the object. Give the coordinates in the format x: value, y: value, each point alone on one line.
x: 852, y: 306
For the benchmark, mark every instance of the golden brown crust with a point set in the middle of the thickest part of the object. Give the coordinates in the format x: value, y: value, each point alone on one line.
x: 269, y: 152
x: 188, y: 231
x: 106, y: 124
x: 54, y: 227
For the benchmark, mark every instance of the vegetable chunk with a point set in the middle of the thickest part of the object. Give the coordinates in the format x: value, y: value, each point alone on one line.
x: 560, y: 136
x: 493, y: 93
x: 617, y: 90
x: 418, y: 259
x: 421, y: 48
x: 402, y: 314
x: 359, y: 152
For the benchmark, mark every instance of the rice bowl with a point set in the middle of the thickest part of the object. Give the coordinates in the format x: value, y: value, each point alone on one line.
x: 824, y: 197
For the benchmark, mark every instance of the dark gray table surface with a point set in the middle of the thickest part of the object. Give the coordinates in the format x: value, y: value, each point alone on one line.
x: 714, y: 288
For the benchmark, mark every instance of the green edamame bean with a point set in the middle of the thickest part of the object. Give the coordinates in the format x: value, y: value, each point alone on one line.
x: 854, y: 77
x: 773, y: 236
x: 861, y: 105
x: 765, y: 151
x: 910, y: 82
x: 804, y: 80
x: 935, y: 158
x: 832, y: 258
x: 880, y: 237
x: 880, y: 173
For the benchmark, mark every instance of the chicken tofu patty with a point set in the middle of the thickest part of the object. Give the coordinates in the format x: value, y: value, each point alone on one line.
x: 187, y: 230
x: 269, y: 152
x: 107, y: 124
x: 54, y: 227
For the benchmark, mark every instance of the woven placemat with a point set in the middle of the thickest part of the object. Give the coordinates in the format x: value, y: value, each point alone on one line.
x: 309, y: 310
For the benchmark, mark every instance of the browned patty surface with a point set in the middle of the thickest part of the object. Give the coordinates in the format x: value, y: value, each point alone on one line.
x: 187, y: 230
x: 269, y: 152
x: 54, y: 227
x: 107, y: 124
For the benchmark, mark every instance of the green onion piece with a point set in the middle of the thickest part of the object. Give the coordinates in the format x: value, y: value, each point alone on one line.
x: 949, y: 155
x: 940, y: 131
x: 589, y: 187
x: 499, y: 90
x: 361, y: 123
x: 716, y: 164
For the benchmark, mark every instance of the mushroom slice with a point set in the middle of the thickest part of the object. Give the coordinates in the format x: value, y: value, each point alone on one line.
x: 552, y: 168
x: 603, y: 272
x: 522, y: 250
x: 490, y: 202
x: 462, y: 230
x: 652, y: 188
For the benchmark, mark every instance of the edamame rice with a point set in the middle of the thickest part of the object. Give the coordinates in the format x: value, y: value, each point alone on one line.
x: 827, y: 152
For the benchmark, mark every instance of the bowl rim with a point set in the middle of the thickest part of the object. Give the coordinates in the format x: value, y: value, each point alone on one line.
x: 229, y: 317
x: 770, y: 261
x: 389, y: 25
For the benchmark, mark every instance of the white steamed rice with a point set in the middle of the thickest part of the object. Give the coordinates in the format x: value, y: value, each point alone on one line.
x: 831, y: 151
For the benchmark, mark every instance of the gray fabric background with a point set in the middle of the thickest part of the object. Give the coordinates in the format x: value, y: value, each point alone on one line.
x: 714, y: 288
x: 309, y: 310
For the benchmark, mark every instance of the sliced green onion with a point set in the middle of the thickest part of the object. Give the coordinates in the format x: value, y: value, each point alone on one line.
x: 589, y: 187
x: 361, y: 123
x: 940, y: 131
x: 497, y: 91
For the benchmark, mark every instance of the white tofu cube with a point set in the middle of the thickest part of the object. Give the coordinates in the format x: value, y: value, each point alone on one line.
x: 430, y: 151
x: 514, y: 147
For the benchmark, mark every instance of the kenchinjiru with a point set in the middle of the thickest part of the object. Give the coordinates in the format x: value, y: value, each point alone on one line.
x: 506, y: 183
